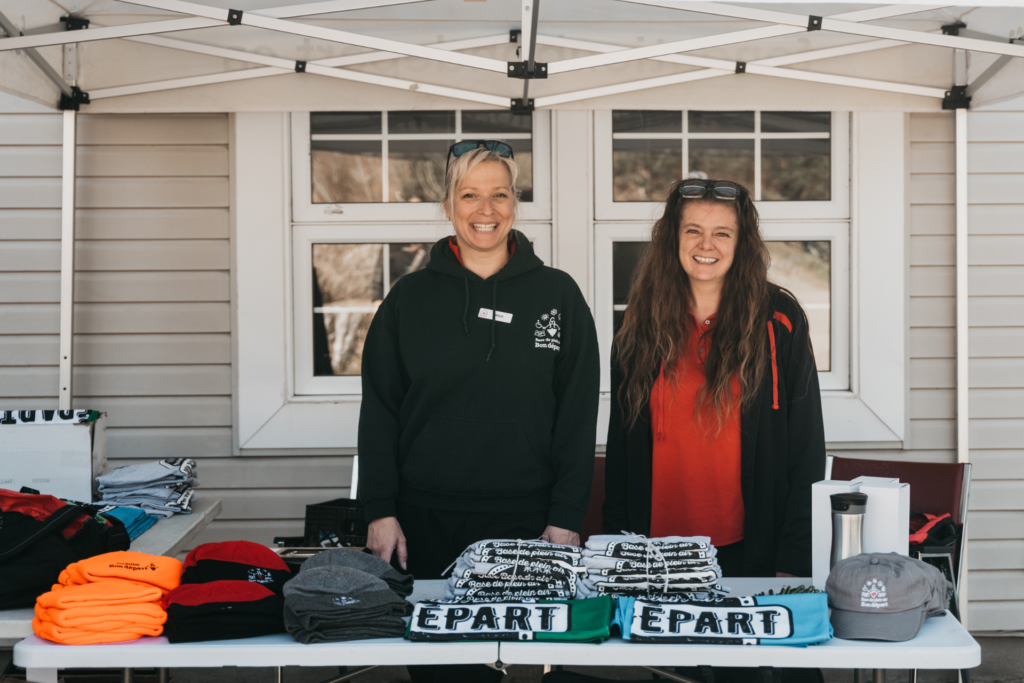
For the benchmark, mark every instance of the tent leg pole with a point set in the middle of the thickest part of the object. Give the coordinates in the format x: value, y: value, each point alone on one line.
x: 962, y: 325
x: 67, y: 259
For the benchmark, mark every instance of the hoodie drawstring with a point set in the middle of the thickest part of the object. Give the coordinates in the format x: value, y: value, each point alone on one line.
x: 465, y: 311
x: 494, y: 317
x: 775, y: 368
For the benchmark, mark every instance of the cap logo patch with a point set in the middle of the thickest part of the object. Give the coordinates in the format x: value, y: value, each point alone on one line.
x: 873, y: 594
x: 260, y: 575
x: 343, y: 600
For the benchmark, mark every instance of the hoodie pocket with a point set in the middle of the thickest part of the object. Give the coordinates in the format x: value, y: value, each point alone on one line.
x: 460, y: 457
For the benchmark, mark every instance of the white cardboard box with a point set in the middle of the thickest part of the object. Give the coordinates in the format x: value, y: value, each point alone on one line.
x: 821, y: 526
x: 887, y: 516
x: 55, y: 456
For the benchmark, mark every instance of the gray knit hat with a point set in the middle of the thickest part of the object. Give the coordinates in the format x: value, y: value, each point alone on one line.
x: 354, y: 559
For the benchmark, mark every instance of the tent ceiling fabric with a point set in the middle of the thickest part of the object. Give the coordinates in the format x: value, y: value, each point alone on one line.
x: 692, y: 54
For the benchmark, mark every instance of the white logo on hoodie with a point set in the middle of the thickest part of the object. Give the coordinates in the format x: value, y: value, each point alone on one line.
x: 547, y: 333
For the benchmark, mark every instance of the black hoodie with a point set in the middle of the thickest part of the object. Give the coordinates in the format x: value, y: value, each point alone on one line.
x: 469, y: 411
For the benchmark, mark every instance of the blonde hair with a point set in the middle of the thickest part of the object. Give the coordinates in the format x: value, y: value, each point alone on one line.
x: 460, y: 167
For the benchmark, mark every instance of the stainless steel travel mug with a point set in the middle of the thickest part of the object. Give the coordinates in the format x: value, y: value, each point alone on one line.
x: 847, y: 525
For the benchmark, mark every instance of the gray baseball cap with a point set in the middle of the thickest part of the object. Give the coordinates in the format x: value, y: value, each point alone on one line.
x: 884, y: 596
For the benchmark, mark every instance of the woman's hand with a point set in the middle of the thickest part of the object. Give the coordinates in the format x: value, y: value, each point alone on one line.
x: 785, y: 575
x: 385, y: 537
x: 554, y: 534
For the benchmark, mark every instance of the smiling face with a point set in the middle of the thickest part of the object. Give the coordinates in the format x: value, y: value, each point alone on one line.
x: 483, y: 208
x: 708, y: 233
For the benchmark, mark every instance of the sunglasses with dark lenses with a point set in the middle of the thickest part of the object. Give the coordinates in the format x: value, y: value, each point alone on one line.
x: 720, y: 189
x: 459, y: 148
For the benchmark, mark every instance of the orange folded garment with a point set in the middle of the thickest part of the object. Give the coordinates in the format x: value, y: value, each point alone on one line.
x: 74, y: 636
x: 97, y: 618
x: 158, y: 570
x: 107, y: 593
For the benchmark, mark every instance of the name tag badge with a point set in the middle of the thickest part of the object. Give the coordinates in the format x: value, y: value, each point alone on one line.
x: 488, y: 314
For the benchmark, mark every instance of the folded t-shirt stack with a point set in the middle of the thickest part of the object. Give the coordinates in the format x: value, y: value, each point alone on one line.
x: 505, y: 570
x: 632, y: 565
x: 228, y: 590
x: 107, y: 599
x: 344, y: 594
x: 136, y: 520
x: 161, y: 488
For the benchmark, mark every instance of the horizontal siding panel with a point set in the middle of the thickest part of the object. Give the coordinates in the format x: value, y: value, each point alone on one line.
x: 275, y: 503
x: 997, y: 585
x: 993, y: 525
x: 1004, y: 311
x: 932, y: 403
x: 153, y: 255
x: 933, y: 434
x: 995, y: 554
x: 997, y: 250
x: 30, y: 161
x: 997, y: 372
x: 29, y: 193
x: 1005, y: 465
x: 151, y: 224
x: 1007, y: 615
x: 927, y: 157
x: 261, y: 531
x: 932, y: 373
x: 103, y: 287
x: 151, y: 349
x: 999, y: 433
x: 997, y: 403
x: 29, y: 381
x: 30, y: 318
x: 30, y: 256
x: 996, y: 280
x: 998, y: 495
x: 29, y: 350
x: 26, y: 288
x: 161, y: 411
x: 995, y: 126
x: 29, y: 224
x: 994, y: 188
x: 145, y: 129
x: 284, y: 472
x: 937, y: 188
x: 933, y: 342
x: 937, y: 219
x: 168, y: 442
x: 932, y: 128
x: 932, y: 251
x: 932, y: 280
x: 932, y: 311
x: 151, y: 192
x: 31, y: 129
x: 995, y: 219
x: 152, y: 160
x: 996, y: 342
x: 151, y: 318
x: 997, y: 157
x: 133, y: 380
x: 940, y: 456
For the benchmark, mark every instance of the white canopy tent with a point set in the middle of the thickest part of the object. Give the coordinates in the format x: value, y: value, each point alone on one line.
x: 120, y: 56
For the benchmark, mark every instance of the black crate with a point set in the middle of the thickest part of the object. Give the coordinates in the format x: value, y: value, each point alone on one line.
x: 343, y: 518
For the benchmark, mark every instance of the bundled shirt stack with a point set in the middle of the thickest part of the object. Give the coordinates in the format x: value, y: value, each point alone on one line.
x: 136, y: 520
x: 343, y: 595
x: 631, y: 565
x: 228, y: 590
x: 107, y: 599
x: 160, y: 488
x: 502, y: 571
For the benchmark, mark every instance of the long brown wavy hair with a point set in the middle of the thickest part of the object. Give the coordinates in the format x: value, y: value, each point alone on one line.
x: 657, y: 322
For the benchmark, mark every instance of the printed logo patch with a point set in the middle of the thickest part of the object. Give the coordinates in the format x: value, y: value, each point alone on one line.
x: 344, y: 600
x: 514, y: 621
x: 873, y: 594
x: 547, y: 333
x: 260, y: 575
x: 746, y: 621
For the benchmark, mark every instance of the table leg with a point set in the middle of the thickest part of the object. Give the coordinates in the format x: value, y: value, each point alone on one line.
x: 41, y: 675
x: 879, y: 676
x: 858, y: 676
x: 279, y: 678
x: 163, y: 676
x: 127, y: 676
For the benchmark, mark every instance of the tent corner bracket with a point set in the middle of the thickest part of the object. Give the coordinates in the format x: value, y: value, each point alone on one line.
x: 953, y: 29
x: 514, y: 35
x: 957, y: 98
x: 234, y: 17
x: 813, y: 23
x: 521, y: 106
x: 300, y: 67
x: 741, y: 67
x: 74, y: 23
x: 73, y: 101
x: 522, y: 70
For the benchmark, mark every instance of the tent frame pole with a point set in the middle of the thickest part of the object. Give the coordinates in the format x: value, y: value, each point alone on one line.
x: 67, y: 259
x: 10, y: 29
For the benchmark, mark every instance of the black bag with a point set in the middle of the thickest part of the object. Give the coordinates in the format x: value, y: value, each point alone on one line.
x: 33, y: 553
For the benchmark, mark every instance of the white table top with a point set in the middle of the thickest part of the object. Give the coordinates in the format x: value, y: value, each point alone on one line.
x: 941, y: 644
x: 167, y: 537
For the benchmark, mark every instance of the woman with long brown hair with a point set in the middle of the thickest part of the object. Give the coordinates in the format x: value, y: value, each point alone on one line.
x: 716, y: 426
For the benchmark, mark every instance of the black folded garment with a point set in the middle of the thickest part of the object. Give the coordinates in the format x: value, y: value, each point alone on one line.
x: 222, y: 610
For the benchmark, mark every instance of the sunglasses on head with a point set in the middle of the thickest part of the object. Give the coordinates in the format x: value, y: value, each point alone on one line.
x: 502, y: 149
x: 719, y: 189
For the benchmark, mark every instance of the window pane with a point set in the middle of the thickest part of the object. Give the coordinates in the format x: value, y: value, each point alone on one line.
x: 345, y: 122
x: 721, y: 121
x: 523, y: 151
x: 495, y: 122
x: 796, y: 122
x: 625, y: 259
x: 346, y: 171
x: 805, y: 268
x: 795, y: 170
x: 350, y: 278
x: 416, y: 170
x: 723, y: 160
x: 420, y: 122
x: 647, y: 122
x: 407, y: 258
x: 644, y: 170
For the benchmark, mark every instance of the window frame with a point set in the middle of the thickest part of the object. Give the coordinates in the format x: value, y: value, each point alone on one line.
x: 605, y: 209
x: 305, y: 211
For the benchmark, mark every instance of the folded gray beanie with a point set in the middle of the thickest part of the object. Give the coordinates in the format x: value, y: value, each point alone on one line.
x: 343, y: 557
x: 332, y: 603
